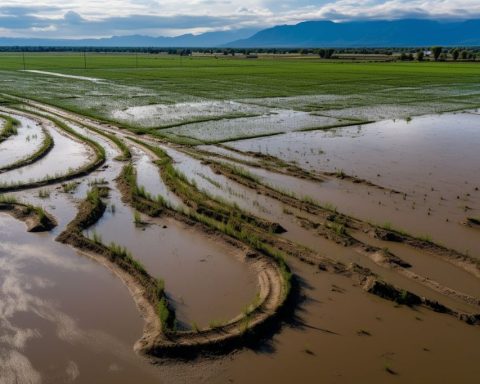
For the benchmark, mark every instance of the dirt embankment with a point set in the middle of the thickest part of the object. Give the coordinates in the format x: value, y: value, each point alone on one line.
x: 36, y: 219
x: 335, y: 227
x: 144, y: 288
x: 45, y: 147
x: 85, y: 170
x: 274, y: 164
x: 261, y: 316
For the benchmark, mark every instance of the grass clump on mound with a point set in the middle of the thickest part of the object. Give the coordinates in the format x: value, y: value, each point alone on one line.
x: 36, y: 218
x: 89, y: 212
x: 100, y: 157
x: 9, y: 127
x: 45, y: 147
x: 220, y: 216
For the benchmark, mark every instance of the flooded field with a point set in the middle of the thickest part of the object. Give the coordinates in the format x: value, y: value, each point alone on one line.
x: 65, y: 148
x: 333, y: 249
x: 153, y: 116
x: 277, y: 121
x: 30, y: 136
x: 432, y: 161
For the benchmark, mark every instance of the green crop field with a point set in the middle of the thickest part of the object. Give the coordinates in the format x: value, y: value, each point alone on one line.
x: 169, y: 91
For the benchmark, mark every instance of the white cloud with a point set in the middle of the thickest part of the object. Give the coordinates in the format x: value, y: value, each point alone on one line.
x: 89, y: 18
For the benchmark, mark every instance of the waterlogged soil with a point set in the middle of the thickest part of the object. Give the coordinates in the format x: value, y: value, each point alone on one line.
x: 57, y: 74
x: 276, y: 121
x: 272, y: 210
x: 223, y: 151
x: 22, y: 145
x: 432, y: 160
x: 393, y: 111
x: 66, y: 156
x: 156, y: 115
x: 59, y: 301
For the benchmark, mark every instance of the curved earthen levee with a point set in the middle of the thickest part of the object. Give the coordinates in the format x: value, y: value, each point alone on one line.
x: 98, y: 160
x: 8, y: 127
x: 274, y: 292
x: 45, y: 147
x: 163, y: 341
x: 35, y: 218
x: 463, y: 261
x: 234, y: 333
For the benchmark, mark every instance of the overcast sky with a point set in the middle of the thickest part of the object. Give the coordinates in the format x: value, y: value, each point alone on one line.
x: 101, y: 18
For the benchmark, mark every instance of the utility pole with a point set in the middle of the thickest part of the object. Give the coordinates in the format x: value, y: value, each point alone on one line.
x: 85, y: 58
x: 136, y: 59
x: 23, y: 59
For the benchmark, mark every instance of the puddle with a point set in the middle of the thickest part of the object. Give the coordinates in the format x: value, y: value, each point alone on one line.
x: 148, y: 176
x: 64, y: 75
x: 23, y: 144
x: 54, y: 300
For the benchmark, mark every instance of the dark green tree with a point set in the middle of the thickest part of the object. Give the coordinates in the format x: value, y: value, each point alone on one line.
x: 455, y: 54
x: 329, y: 53
x: 436, y: 51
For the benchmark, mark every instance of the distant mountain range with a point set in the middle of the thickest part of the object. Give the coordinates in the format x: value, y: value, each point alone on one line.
x: 398, y: 33
x: 209, y: 39
x: 310, y: 34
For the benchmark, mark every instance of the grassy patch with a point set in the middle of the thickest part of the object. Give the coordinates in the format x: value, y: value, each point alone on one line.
x: 9, y: 127
x: 44, y: 193
x: 69, y: 187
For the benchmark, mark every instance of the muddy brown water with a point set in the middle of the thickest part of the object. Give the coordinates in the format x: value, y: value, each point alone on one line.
x: 62, y: 316
x: 53, y: 299
x: 192, y: 265
x: 148, y: 177
x: 433, y: 159
x: 271, y: 209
